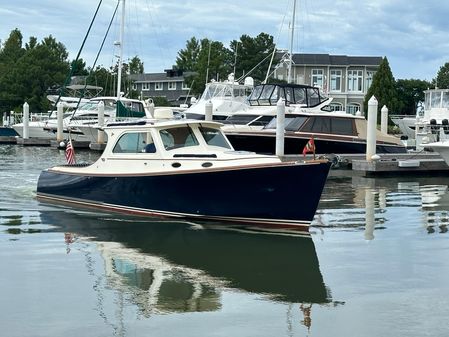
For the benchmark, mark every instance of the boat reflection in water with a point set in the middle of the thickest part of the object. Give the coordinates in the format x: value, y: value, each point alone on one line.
x: 178, y: 267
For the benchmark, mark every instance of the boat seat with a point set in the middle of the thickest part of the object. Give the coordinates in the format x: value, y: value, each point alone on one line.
x: 150, y: 148
x: 445, y: 124
x: 434, y: 128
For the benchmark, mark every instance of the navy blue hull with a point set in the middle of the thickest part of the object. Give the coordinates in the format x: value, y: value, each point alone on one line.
x: 294, y: 145
x: 283, y: 194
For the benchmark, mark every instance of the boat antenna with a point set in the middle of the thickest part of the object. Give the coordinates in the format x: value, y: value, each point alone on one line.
x: 291, y: 44
x: 269, y: 67
x: 120, y: 44
x: 208, y: 61
x: 235, y: 56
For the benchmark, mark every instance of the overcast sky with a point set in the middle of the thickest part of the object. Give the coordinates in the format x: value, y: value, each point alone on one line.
x: 413, y: 35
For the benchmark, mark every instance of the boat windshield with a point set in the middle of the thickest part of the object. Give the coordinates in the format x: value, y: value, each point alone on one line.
x: 269, y: 94
x: 177, y: 137
x: 214, y: 137
x: 223, y: 90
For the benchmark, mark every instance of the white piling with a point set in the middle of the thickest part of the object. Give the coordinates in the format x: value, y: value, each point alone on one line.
x: 100, y: 135
x: 208, y: 111
x: 371, y: 128
x: 280, y: 127
x: 384, y: 119
x: 60, y: 116
x: 26, y: 120
x: 151, y: 108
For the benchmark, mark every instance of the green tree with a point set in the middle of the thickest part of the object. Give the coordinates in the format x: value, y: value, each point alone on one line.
x: 136, y: 66
x: 187, y: 58
x: 10, y: 53
x: 410, y: 93
x: 384, y: 89
x: 207, y: 60
x: 253, y: 55
x: 442, y: 79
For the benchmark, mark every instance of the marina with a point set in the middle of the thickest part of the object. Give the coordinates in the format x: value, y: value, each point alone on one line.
x: 373, y: 262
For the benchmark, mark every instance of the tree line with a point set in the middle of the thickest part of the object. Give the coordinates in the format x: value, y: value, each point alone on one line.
x: 28, y: 71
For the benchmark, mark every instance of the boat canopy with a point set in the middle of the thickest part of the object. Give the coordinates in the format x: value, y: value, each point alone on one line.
x: 269, y: 94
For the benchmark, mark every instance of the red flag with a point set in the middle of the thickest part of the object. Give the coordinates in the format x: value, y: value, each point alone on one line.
x: 310, y: 147
x: 70, y: 153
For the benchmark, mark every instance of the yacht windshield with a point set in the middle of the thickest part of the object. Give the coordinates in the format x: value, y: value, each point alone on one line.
x: 214, y: 137
x: 177, y: 137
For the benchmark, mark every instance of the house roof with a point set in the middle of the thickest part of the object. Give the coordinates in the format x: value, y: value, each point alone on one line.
x: 158, y: 77
x: 335, y: 60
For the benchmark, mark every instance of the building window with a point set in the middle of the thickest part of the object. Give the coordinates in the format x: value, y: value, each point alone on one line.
x: 134, y: 86
x: 185, y: 86
x: 158, y: 86
x: 146, y: 86
x: 336, y: 106
x: 317, y: 77
x: 171, y: 85
x: 369, y: 79
x: 352, y: 108
x: 355, y: 78
x: 335, y: 80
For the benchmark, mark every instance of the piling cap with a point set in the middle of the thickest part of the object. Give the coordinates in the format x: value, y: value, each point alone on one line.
x: 372, y: 101
x: 280, y: 102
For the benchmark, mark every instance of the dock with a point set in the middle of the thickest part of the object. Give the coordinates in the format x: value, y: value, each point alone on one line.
x: 416, y: 163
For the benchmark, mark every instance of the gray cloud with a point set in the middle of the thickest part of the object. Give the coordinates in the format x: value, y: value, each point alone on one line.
x: 412, y: 34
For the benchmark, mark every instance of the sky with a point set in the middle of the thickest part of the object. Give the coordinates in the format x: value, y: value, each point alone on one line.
x: 413, y: 35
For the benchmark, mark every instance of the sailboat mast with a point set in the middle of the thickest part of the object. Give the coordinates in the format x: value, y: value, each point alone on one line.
x: 291, y: 44
x: 120, y: 60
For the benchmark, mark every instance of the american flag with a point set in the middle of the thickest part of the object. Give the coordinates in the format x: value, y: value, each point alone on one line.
x: 70, y: 153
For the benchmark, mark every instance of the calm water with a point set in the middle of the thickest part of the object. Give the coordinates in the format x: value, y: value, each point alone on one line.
x: 376, y: 264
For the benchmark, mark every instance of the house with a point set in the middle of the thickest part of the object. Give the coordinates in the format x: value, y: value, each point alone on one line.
x: 169, y: 85
x: 345, y: 78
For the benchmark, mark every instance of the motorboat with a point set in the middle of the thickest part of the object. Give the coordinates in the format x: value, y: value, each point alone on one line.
x: 226, y: 97
x: 233, y: 99
x: 188, y: 169
x: 81, y: 124
x: 434, y: 119
x: 333, y: 133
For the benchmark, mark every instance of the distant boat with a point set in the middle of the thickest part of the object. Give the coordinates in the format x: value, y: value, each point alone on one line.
x: 333, y: 132
x: 188, y: 169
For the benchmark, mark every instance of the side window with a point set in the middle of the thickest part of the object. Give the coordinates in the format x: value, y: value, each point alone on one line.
x: 133, y: 142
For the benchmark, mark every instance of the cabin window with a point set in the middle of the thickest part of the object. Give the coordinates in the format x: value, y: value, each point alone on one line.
x: 262, y: 121
x: 214, y: 137
x: 135, y: 142
x: 178, y: 137
x: 293, y: 124
x: 329, y: 125
x: 239, y: 119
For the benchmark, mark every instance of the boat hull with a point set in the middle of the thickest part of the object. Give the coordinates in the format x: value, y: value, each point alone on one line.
x: 266, y: 143
x: 280, y: 195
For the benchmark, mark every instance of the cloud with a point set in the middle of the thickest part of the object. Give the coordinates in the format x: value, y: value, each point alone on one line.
x: 412, y: 34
